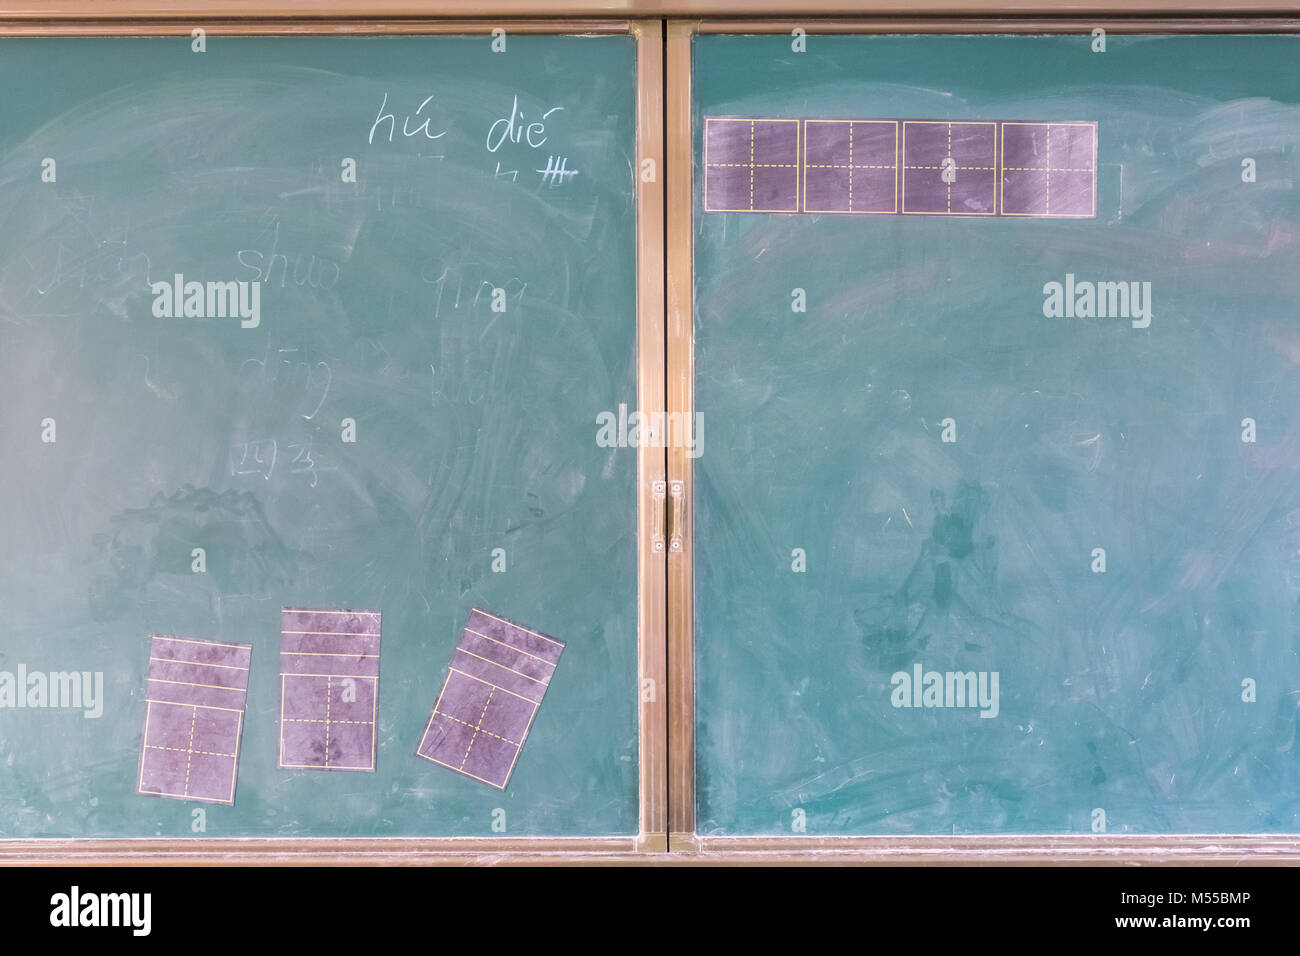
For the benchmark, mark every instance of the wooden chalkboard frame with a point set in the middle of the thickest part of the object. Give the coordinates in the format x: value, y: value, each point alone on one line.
x: 1017, y: 849
x: 651, y: 468
x: 37, y: 10
x: 665, y: 380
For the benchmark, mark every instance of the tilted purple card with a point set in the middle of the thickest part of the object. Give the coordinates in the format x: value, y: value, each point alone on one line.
x: 329, y: 688
x: 496, y: 680
x: 194, y: 715
x: 1045, y: 170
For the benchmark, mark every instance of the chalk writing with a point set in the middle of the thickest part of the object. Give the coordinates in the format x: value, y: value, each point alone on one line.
x: 391, y: 119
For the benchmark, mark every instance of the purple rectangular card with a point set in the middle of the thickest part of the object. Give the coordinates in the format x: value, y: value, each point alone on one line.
x: 851, y: 166
x: 1045, y: 170
x: 329, y: 688
x: 751, y: 165
x: 949, y: 169
x: 194, y: 715
x: 1049, y: 170
x: 496, y: 680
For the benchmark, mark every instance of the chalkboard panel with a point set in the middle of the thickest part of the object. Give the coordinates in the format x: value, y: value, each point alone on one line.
x: 392, y: 408
x: 986, y: 541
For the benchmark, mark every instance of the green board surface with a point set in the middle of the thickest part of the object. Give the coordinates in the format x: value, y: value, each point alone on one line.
x: 475, y: 426
x: 1156, y: 696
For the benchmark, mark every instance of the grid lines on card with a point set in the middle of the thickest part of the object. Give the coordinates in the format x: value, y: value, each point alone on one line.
x: 329, y: 688
x: 194, y: 718
x: 753, y: 164
x: 1046, y: 165
x: 949, y: 161
x: 850, y: 166
x: 914, y: 167
x: 498, y: 675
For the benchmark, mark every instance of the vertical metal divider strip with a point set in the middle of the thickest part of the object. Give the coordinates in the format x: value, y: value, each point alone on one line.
x: 652, y: 652
x: 680, y: 367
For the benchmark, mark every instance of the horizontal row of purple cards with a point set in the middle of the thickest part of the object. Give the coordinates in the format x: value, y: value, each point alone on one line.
x: 1045, y: 170
x: 329, y: 702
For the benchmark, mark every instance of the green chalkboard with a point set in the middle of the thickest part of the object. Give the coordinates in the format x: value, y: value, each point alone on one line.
x: 927, y: 467
x: 406, y: 424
